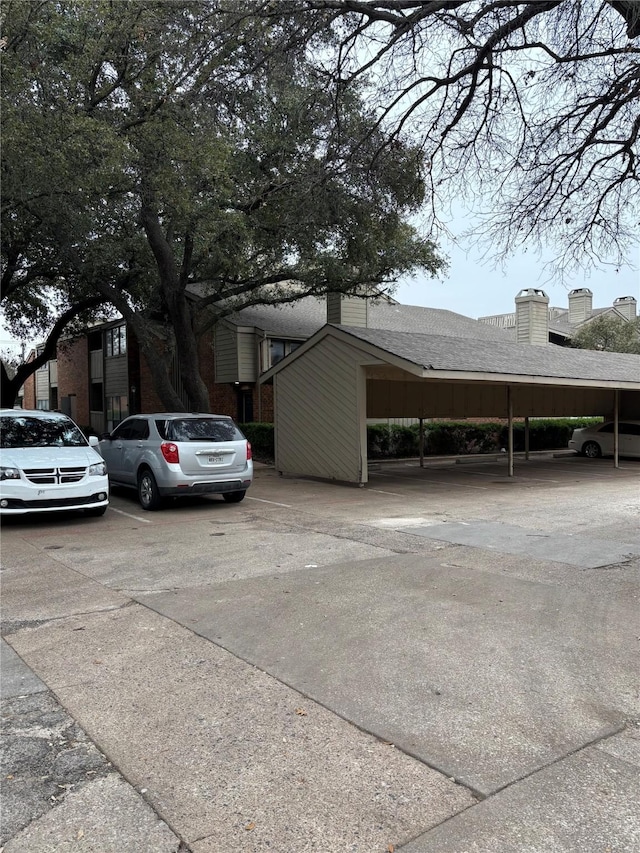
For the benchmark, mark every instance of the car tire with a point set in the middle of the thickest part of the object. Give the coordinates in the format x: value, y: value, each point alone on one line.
x: 148, y: 492
x: 234, y: 497
x: 592, y: 449
x: 96, y: 511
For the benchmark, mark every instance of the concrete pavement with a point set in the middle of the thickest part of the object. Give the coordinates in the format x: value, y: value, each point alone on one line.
x: 327, y: 668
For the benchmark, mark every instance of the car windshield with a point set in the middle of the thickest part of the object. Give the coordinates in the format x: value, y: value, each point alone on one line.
x: 30, y: 431
x: 199, y: 429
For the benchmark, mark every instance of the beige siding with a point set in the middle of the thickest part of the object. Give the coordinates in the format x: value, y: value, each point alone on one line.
x: 532, y: 322
x: 116, y: 376
x: 346, y: 311
x: 247, y: 356
x: 42, y: 384
x: 396, y: 399
x: 320, y: 424
x: 53, y: 373
x: 225, y: 348
x: 97, y: 368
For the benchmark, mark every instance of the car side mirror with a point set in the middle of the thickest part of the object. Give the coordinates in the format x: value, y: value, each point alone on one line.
x: 94, y: 441
x: 106, y: 436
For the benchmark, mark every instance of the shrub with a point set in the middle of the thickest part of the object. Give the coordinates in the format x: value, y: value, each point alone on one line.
x: 261, y: 437
x: 442, y: 438
x: 457, y: 438
x: 391, y: 441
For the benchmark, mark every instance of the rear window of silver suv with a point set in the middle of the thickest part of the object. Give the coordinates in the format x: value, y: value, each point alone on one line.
x: 199, y: 429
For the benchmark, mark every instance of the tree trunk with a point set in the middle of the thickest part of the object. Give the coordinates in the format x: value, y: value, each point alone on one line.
x: 9, y: 388
x: 173, y: 290
x: 188, y: 356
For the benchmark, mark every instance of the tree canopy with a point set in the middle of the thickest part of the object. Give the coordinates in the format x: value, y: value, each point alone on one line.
x: 527, y: 112
x: 609, y: 334
x: 176, y: 162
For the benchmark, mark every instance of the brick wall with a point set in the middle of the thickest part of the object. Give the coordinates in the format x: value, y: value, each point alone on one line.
x: 73, y: 376
x: 29, y: 398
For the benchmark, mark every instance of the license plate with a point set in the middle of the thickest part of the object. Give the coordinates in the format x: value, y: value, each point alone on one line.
x: 215, y: 460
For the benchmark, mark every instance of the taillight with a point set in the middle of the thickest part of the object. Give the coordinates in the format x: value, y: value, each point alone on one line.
x: 249, y: 456
x: 170, y: 452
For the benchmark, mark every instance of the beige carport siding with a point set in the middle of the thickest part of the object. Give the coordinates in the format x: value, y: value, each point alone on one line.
x: 325, y: 391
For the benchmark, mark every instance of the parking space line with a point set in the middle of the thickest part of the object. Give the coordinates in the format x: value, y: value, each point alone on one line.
x: 130, y: 515
x: 380, y: 492
x: 263, y: 501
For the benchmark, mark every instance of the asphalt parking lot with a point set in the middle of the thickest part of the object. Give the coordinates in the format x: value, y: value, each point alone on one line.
x: 443, y: 660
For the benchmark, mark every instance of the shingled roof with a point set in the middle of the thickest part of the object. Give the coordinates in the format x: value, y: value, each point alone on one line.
x: 303, y: 318
x: 437, y: 352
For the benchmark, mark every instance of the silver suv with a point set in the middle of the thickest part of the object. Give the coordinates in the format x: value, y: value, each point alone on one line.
x: 178, y: 454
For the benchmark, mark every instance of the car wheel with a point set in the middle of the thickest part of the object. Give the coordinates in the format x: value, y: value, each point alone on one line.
x: 592, y: 450
x: 234, y: 497
x: 96, y: 511
x: 148, y: 492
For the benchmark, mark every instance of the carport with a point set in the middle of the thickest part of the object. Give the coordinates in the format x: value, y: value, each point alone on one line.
x: 325, y: 391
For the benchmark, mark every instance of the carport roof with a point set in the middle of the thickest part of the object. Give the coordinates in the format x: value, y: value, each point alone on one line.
x: 465, y: 358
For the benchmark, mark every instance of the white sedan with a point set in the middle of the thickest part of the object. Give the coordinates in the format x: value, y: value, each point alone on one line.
x: 597, y: 440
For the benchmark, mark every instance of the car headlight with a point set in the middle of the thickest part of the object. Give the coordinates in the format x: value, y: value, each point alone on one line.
x: 98, y: 469
x: 9, y: 473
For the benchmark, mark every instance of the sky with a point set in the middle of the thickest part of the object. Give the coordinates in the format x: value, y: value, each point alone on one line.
x: 473, y: 288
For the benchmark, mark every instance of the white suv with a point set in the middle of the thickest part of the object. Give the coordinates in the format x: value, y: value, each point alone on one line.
x: 47, y: 465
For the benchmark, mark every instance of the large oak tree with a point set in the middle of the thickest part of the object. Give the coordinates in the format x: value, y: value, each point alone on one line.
x: 177, y: 161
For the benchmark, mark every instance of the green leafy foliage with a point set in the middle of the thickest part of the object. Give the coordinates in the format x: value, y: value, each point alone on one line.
x: 261, y: 437
x: 609, y: 334
x: 179, y: 161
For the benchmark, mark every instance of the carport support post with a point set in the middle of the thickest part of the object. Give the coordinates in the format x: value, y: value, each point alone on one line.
x: 526, y: 439
x: 510, y: 428
x: 421, y: 441
x: 616, y: 442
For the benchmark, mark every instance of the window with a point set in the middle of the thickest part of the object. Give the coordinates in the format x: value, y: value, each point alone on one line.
x: 24, y: 431
x: 42, y: 404
x: 117, y: 410
x: 199, y: 429
x: 116, y: 341
x: 278, y: 349
x: 138, y: 429
x: 630, y: 429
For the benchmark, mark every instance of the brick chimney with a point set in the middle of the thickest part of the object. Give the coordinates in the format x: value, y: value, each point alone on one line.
x: 627, y: 306
x: 580, y: 305
x: 343, y: 310
x: 532, y: 317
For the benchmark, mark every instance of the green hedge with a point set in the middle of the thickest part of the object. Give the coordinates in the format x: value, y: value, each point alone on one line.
x: 261, y: 437
x: 458, y: 438
x: 442, y: 438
